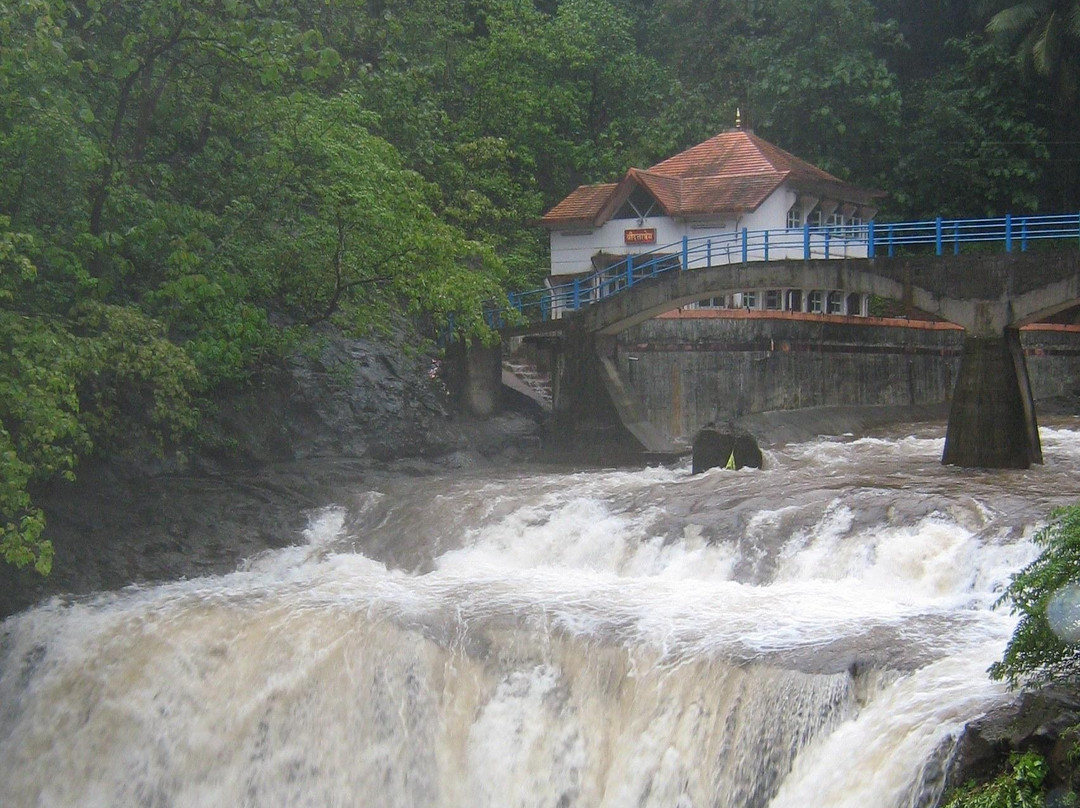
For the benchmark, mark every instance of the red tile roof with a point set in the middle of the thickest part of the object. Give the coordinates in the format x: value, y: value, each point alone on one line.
x: 733, y: 172
x: 582, y: 205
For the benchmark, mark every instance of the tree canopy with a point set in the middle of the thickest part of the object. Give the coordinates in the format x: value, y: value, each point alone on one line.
x: 185, y: 188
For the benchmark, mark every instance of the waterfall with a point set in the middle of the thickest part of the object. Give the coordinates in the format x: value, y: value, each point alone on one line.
x: 813, y: 634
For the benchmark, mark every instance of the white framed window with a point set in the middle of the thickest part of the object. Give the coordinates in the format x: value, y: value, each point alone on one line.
x: 772, y: 299
x: 813, y: 218
x: 794, y: 217
x: 815, y: 301
x: 835, y: 303
x: 794, y: 300
x: 835, y: 222
x: 855, y: 224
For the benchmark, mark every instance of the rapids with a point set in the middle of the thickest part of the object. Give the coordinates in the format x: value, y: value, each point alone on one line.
x: 812, y: 634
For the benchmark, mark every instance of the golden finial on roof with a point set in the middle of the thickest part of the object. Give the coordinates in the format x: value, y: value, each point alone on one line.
x: 738, y: 118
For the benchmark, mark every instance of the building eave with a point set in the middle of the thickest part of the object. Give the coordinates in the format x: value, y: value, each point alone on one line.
x: 732, y: 173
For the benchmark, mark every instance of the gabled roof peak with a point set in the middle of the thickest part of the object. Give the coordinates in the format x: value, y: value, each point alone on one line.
x: 735, y: 151
x: 733, y: 171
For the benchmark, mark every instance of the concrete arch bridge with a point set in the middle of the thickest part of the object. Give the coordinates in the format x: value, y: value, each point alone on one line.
x: 992, y: 420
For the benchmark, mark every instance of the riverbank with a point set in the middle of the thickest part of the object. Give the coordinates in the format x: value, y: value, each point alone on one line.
x: 290, y: 442
x: 643, y: 623
x: 297, y: 445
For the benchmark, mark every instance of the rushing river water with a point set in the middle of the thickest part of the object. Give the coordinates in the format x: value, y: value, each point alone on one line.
x: 812, y: 634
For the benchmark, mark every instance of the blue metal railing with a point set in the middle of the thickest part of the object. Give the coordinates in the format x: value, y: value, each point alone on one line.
x: 868, y: 240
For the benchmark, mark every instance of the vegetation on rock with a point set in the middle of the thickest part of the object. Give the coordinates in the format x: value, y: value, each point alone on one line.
x: 1044, y: 650
x: 1045, y: 647
x: 1020, y: 786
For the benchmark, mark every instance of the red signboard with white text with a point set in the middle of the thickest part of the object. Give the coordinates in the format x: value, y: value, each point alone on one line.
x: 640, y: 235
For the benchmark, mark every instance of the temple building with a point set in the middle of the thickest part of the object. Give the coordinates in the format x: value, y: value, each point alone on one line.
x: 734, y: 183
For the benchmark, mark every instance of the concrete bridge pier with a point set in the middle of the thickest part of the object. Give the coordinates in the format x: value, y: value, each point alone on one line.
x: 474, y: 377
x: 594, y: 411
x: 584, y: 413
x: 992, y: 417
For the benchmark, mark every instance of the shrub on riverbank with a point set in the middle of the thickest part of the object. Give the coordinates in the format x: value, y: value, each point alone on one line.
x: 1019, y: 786
x: 1044, y: 652
x: 1045, y: 647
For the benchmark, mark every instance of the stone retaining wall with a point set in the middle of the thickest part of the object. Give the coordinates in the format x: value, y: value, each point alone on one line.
x: 689, y: 372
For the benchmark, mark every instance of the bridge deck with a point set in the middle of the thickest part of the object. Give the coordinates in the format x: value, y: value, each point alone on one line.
x: 872, y: 240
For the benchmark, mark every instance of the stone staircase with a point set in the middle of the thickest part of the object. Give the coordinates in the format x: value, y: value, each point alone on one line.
x: 521, y: 375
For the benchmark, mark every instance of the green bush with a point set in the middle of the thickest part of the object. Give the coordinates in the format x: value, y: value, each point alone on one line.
x: 1020, y: 786
x: 1037, y: 654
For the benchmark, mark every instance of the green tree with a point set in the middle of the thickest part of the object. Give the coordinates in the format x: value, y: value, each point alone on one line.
x: 972, y: 144
x: 1046, y: 35
x: 327, y: 224
x: 40, y: 433
x: 1040, y: 651
x: 927, y: 28
x: 183, y: 186
x: 100, y: 374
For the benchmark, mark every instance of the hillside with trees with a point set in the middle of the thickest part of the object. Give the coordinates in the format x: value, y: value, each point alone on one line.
x: 187, y: 188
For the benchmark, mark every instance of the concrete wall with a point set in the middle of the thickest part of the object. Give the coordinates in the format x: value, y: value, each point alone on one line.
x: 1053, y: 363
x: 690, y: 372
x: 592, y: 409
x: 473, y: 377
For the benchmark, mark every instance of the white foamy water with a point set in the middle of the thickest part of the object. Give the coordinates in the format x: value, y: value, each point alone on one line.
x: 814, y: 634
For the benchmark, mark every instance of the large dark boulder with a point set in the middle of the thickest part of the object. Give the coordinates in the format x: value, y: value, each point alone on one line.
x: 725, y: 449
x: 1042, y: 720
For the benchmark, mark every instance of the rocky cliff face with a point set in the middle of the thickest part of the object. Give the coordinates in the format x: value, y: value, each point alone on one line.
x: 1043, y: 720
x: 299, y: 436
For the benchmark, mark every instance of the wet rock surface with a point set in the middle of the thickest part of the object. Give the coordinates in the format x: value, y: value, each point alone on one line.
x: 1039, y: 720
x: 296, y: 439
x: 725, y: 448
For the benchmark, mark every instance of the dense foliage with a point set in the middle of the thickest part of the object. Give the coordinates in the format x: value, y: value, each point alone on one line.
x: 1020, y: 786
x: 186, y: 187
x: 1045, y: 647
